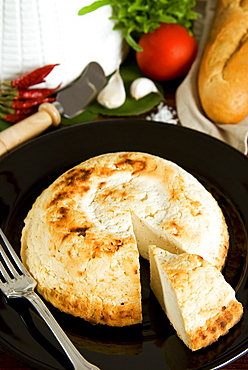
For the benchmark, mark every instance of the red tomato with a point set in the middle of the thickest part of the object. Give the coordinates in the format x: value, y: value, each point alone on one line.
x: 167, y: 53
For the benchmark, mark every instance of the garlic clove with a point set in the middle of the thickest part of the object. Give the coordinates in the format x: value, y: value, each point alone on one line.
x: 141, y: 87
x: 113, y: 95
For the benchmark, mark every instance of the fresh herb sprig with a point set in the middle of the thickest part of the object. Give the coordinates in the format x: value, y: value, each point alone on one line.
x: 136, y: 17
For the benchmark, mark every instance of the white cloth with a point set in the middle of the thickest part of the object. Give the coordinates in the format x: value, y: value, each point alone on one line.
x: 34, y: 33
x: 187, y: 100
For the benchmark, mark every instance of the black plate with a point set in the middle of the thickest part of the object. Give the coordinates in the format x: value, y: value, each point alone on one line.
x: 25, y: 172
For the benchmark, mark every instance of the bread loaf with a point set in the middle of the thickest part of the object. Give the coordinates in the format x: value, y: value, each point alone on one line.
x: 223, y: 73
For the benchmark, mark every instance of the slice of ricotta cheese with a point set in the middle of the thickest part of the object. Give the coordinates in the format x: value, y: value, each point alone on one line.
x: 83, y: 236
x: 198, y: 301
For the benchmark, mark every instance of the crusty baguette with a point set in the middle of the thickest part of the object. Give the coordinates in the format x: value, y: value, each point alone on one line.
x: 223, y: 74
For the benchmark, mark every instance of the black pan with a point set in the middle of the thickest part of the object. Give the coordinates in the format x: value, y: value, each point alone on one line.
x: 26, y: 171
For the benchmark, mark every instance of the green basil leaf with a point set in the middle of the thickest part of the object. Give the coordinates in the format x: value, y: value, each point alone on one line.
x: 3, y: 124
x: 131, y: 107
x: 85, y: 116
x: 90, y: 8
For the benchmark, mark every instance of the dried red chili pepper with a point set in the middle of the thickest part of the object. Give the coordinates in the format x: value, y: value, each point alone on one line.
x: 7, y: 91
x: 6, y: 110
x: 12, y: 118
x: 18, y: 101
x: 32, y: 78
x: 35, y: 93
x: 12, y: 115
x: 26, y: 111
x: 6, y: 99
x: 19, y: 104
x: 20, y: 112
x: 14, y: 93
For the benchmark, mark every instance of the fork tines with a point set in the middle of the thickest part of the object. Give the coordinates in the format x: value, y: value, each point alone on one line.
x: 10, y: 264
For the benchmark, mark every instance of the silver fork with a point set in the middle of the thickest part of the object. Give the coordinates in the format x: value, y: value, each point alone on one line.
x: 16, y: 282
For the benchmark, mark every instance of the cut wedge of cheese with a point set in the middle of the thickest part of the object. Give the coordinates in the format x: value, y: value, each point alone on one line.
x: 198, y: 301
x: 83, y: 235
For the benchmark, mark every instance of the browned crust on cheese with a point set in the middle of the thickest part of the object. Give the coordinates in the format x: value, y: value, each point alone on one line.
x: 92, y: 309
x: 216, y: 326
x: 223, y: 73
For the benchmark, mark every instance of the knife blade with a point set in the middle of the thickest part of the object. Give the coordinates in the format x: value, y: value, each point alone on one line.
x: 73, y: 99
x: 70, y: 101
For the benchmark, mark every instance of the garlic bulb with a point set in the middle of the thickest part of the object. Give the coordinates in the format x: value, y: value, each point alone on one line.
x: 141, y: 87
x: 113, y: 95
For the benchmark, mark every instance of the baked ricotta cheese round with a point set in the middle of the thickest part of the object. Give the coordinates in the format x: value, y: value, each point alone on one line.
x: 84, y: 235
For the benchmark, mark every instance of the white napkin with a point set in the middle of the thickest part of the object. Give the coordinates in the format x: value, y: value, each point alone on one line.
x: 188, y: 105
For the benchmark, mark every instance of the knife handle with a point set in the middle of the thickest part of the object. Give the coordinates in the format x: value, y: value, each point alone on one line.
x: 28, y: 128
